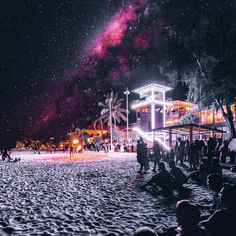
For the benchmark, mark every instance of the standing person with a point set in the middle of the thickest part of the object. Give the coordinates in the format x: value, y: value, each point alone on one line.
x: 224, y: 151
x: 146, y: 160
x: 141, y: 149
x: 132, y: 147
x: 180, y: 152
x: 232, y: 155
x: 201, y: 150
x: 210, y: 148
x: 186, y: 150
x: 196, y: 156
x: 157, y: 154
x: 218, y: 145
x: 71, y: 151
x: 191, y: 156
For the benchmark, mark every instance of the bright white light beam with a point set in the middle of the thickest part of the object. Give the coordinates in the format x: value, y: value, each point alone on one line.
x: 146, y: 102
x: 144, y: 135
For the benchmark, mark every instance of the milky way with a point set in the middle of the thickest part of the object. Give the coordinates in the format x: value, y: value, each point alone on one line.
x: 59, y: 58
x: 74, y: 100
x: 114, y: 32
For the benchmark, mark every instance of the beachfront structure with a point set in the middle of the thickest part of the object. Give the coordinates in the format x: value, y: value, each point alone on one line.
x: 155, y: 113
x: 208, y: 116
x: 150, y: 108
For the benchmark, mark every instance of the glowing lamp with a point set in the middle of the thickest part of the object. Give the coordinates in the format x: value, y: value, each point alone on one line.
x: 75, y: 141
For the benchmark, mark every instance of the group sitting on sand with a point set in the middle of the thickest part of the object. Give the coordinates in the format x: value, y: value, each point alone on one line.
x: 207, y: 171
x: 188, y: 216
x: 167, y: 181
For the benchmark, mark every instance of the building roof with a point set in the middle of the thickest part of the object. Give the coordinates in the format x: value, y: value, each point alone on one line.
x: 153, y: 86
x: 179, y: 104
x: 185, y: 129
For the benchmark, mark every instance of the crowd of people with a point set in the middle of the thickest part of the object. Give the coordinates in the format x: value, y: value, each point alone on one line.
x: 203, y: 161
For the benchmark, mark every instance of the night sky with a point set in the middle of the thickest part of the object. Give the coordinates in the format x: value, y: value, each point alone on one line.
x: 58, y: 58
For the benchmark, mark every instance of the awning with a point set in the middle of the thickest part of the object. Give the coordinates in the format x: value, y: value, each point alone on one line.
x: 184, y: 129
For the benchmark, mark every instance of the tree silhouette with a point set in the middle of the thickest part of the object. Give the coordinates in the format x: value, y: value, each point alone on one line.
x: 114, y: 103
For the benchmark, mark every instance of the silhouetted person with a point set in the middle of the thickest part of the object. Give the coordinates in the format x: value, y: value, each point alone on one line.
x: 215, y: 166
x: 163, y: 180
x: 180, y: 151
x: 214, y: 182
x: 192, y: 152
x: 71, y: 151
x: 202, y: 150
x: 188, y: 217
x: 218, y: 145
x: 224, y: 151
x: 210, y: 148
x: 186, y: 148
x: 142, y: 154
x: 132, y: 147
x: 6, y: 155
x: 157, y: 154
x: 200, y: 176
x: 145, y: 231
x: 232, y: 156
x: 222, y: 222
x: 178, y: 177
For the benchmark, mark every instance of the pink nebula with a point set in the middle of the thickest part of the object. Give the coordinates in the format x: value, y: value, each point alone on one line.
x: 112, y: 35
x: 142, y: 40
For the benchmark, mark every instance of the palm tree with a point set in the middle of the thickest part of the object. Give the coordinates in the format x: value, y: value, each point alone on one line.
x: 116, y: 110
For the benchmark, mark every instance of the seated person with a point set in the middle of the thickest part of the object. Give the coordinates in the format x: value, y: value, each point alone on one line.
x: 145, y: 231
x: 214, y: 181
x: 215, y: 167
x: 178, y: 177
x: 188, y: 217
x: 222, y: 222
x: 200, y: 176
x: 163, y: 180
x: 6, y: 155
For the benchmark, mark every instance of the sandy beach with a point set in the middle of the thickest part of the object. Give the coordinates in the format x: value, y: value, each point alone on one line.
x: 89, y: 194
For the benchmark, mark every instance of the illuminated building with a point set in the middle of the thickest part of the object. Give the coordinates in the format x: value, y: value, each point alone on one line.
x: 177, y: 110
x: 150, y: 106
x: 209, y: 116
x: 155, y: 113
x: 150, y: 109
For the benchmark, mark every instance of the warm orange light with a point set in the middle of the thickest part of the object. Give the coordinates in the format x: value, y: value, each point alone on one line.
x: 75, y: 141
x: 79, y: 148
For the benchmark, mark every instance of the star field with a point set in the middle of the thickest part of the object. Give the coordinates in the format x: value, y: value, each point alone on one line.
x: 58, y: 58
